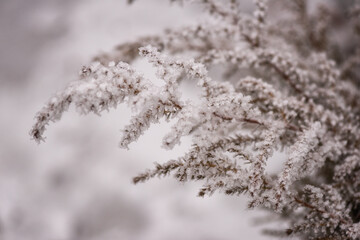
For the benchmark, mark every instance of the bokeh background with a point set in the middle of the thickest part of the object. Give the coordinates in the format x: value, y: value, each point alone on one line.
x: 77, y: 185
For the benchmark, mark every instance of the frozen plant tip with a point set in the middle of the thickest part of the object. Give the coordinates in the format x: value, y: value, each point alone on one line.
x: 285, y: 84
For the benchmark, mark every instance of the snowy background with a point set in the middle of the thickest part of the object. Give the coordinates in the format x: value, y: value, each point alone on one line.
x: 77, y: 185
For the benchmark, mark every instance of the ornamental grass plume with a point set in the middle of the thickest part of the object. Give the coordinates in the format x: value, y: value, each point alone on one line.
x: 290, y: 82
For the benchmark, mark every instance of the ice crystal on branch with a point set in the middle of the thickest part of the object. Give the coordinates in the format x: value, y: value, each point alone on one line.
x: 286, y: 87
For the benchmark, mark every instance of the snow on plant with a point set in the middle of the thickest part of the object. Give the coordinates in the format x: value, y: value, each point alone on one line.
x: 287, y: 85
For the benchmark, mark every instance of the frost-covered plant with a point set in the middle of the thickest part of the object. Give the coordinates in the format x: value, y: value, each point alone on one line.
x: 290, y: 82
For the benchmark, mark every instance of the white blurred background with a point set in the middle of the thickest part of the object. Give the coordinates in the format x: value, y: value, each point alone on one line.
x: 77, y: 185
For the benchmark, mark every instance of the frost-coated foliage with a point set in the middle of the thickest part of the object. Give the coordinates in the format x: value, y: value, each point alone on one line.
x: 290, y: 82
